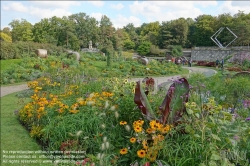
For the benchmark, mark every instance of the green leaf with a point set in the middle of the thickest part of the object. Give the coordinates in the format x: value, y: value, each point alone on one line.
x: 215, y: 157
x: 215, y: 137
x: 197, y: 136
x: 189, y: 111
x: 197, y: 115
x: 202, y: 164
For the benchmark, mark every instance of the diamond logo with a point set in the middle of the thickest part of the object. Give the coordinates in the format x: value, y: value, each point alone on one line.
x: 216, y: 34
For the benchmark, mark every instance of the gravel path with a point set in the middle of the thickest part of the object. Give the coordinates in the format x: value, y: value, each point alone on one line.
x: 159, y: 80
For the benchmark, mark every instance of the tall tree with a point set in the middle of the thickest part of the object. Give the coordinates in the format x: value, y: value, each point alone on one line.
x: 241, y: 27
x: 204, y: 29
x: 42, y: 32
x: 106, y: 33
x: 86, y: 28
x: 21, y: 30
x: 151, y: 32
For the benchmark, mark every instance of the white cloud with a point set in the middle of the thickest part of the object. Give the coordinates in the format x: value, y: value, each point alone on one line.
x: 97, y: 16
x: 42, y: 9
x: 118, y: 6
x: 121, y: 21
x: 234, y: 6
x: 15, y: 6
x: 55, y: 4
x: 96, y: 3
x: 166, y: 10
x: 48, y: 13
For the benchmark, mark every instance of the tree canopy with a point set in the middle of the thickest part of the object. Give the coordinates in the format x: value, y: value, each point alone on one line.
x: 77, y: 30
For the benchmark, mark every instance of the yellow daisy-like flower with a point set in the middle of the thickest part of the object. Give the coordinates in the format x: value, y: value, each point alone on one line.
x: 145, y: 144
x: 132, y: 140
x: 138, y: 129
x: 141, y: 153
x: 152, y: 123
x: 123, y: 122
x: 160, y: 137
x: 123, y: 151
x: 165, y: 129
x: 150, y: 130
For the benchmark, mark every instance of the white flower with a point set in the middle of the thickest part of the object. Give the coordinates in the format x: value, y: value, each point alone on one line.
x: 116, y: 114
x: 106, y: 104
x: 90, y: 102
x: 112, y: 108
x: 99, y: 156
x: 103, y: 146
x: 104, y: 139
x: 103, y: 126
x: 107, y: 145
x: 78, y: 133
x: 127, y: 127
x: 147, y: 69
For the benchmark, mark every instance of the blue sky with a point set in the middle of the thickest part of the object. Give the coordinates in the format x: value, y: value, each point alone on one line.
x: 120, y: 12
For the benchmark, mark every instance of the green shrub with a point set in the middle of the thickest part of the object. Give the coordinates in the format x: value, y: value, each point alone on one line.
x: 144, y: 48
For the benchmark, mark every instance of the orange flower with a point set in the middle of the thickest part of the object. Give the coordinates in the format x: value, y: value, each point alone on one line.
x: 138, y: 129
x: 141, y: 153
x: 132, y: 140
x: 124, y: 151
x: 123, y: 122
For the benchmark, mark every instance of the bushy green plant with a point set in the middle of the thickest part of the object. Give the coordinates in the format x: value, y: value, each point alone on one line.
x: 177, y: 51
x: 144, y: 48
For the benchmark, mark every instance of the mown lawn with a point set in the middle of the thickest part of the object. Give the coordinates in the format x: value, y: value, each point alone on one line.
x: 14, y: 137
x: 6, y: 64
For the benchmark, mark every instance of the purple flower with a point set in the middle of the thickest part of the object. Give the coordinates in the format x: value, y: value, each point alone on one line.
x: 248, y: 119
x: 236, y: 137
x: 181, y: 97
x: 172, y: 88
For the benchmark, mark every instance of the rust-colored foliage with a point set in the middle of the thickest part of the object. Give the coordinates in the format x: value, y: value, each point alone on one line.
x: 178, y: 89
x: 172, y: 107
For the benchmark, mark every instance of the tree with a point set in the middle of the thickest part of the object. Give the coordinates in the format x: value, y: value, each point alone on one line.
x: 128, y: 44
x: 144, y: 48
x: 204, y: 29
x: 165, y: 35
x: 86, y: 28
x: 7, y: 31
x: 130, y: 29
x: 5, y: 37
x: 21, y: 30
x: 241, y: 27
x: 177, y: 51
x: 151, y: 32
x: 106, y: 34
x: 42, y: 32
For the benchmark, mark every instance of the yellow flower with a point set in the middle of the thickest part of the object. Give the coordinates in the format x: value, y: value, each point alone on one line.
x: 150, y: 130
x: 124, y: 151
x: 141, y: 153
x: 132, y: 140
x: 138, y: 129
x: 74, y: 111
x: 152, y: 154
x: 123, y: 122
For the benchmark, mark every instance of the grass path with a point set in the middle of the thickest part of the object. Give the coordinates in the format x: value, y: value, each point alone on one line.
x: 14, y: 137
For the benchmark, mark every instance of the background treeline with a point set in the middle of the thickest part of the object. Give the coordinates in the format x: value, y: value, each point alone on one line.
x: 75, y: 31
